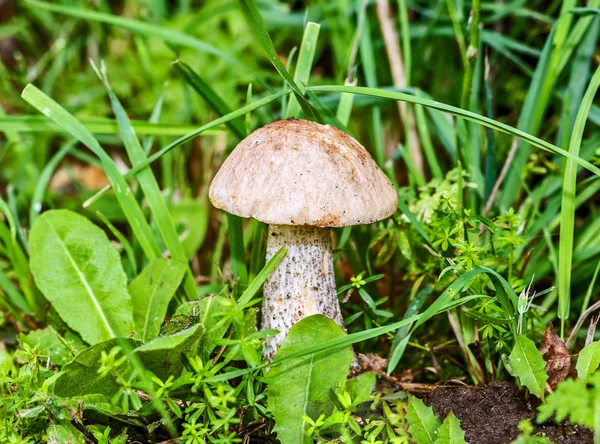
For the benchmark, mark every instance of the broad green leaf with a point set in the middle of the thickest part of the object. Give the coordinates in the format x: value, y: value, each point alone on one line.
x: 164, y: 355
x: 423, y: 425
x: 588, y: 361
x: 49, y: 343
x: 450, y: 431
x: 151, y: 293
x: 302, y: 386
x: 528, y: 365
x: 80, y: 377
x: 80, y: 273
x: 211, y: 312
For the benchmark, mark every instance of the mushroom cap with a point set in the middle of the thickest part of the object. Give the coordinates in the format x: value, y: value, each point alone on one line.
x: 296, y: 172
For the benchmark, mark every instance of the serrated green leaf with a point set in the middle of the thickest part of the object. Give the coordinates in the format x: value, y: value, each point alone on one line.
x: 528, y: 365
x: 423, y: 425
x: 151, y: 293
x: 588, y: 361
x: 80, y: 273
x: 302, y: 386
x: 450, y: 431
x: 164, y: 355
x: 80, y: 377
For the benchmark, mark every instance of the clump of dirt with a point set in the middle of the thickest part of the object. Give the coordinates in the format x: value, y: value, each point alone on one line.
x: 491, y: 414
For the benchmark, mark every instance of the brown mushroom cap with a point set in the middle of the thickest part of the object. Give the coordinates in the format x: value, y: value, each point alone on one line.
x: 296, y: 172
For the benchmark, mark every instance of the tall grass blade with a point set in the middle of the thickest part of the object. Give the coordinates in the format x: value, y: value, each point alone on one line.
x: 125, y: 196
x: 188, y: 75
x: 567, y: 216
x: 149, y: 186
x: 306, y: 56
x: 257, y: 25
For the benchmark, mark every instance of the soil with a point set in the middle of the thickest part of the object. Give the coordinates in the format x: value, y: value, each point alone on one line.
x: 491, y: 414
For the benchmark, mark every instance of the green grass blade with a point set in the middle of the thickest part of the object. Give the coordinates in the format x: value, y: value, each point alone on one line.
x: 149, y: 186
x: 125, y: 196
x: 567, y: 216
x: 14, y: 296
x: 96, y: 125
x: 146, y: 29
x: 257, y: 25
x: 42, y: 185
x: 209, y: 95
x: 261, y: 277
x: 459, y: 112
x: 235, y: 114
x: 304, y: 65
x: 236, y: 248
x: 154, y: 118
x: 122, y: 239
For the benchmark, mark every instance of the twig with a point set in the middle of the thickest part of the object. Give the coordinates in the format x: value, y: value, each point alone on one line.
x: 472, y: 53
x: 592, y: 330
x: 505, y: 167
x: 394, y: 53
x: 580, y: 322
x: 76, y: 422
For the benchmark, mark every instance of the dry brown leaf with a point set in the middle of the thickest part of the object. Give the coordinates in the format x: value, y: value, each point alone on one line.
x: 557, y: 357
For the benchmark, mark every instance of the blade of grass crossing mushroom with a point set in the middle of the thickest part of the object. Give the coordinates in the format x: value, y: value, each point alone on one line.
x: 257, y: 25
x: 567, y: 215
x: 149, y: 186
x: 330, y: 345
x: 382, y: 94
x: 235, y: 228
x: 304, y: 65
x: 189, y: 136
x: 125, y: 196
x: 261, y: 277
x: 459, y: 112
x: 146, y: 29
x: 188, y: 75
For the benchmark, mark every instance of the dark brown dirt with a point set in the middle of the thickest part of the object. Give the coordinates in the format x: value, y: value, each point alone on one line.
x: 491, y: 414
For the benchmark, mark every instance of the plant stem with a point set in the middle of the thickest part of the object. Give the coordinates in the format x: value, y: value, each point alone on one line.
x: 471, y: 54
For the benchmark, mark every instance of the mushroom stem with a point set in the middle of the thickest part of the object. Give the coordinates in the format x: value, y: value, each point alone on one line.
x: 302, y: 285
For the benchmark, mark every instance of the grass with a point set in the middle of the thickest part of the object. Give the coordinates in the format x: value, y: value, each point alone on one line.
x: 483, y: 115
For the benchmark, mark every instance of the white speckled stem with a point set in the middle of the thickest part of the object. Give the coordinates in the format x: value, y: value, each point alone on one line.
x: 302, y: 285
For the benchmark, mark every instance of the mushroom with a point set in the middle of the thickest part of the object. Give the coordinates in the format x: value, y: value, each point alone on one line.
x: 301, y: 177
